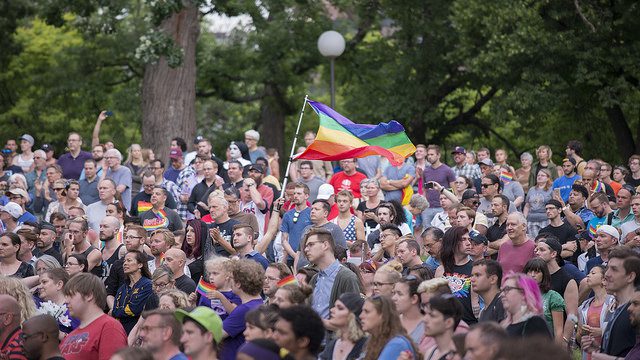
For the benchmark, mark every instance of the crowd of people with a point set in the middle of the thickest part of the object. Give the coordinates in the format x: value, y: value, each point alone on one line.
x: 207, y: 257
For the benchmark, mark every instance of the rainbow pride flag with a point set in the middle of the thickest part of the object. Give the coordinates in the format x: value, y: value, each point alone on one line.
x: 340, y: 138
x: 506, y: 176
x: 597, y: 186
x: 160, y: 221
x: 204, y: 287
x: 144, y: 206
x: 289, y: 280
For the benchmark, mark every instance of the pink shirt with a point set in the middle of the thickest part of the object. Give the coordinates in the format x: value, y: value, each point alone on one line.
x: 513, y: 258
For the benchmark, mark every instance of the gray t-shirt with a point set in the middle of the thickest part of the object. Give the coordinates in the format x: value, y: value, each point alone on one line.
x: 152, y: 221
x: 537, y: 198
x: 336, y: 233
x: 513, y: 190
x: 313, y: 184
x: 122, y: 176
x: 369, y: 165
x: 394, y: 173
x: 95, y: 213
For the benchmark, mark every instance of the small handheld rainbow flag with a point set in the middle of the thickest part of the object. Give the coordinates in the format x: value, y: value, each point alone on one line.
x: 506, y: 176
x: 287, y: 281
x: 204, y: 287
x: 597, y: 186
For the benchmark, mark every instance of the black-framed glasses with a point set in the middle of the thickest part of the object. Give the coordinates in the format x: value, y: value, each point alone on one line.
x: 24, y: 336
x: 506, y: 289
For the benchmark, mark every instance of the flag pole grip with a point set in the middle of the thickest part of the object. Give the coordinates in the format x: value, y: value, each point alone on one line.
x: 293, y: 147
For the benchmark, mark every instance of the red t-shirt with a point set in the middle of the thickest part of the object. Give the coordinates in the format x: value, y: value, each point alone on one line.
x: 97, y: 341
x: 341, y: 181
x: 514, y: 258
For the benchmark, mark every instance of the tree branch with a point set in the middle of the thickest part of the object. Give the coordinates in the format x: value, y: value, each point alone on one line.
x: 584, y: 18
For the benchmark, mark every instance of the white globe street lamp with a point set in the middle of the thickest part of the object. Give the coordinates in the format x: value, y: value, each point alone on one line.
x: 331, y: 45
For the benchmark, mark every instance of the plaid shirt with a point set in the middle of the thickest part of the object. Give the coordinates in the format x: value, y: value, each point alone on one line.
x: 469, y: 171
x: 184, y: 183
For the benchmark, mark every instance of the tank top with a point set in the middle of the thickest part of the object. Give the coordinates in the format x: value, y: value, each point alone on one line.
x: 350, y: 230
x: 97, y: 270
x: 559, y: 281
x: 593, y: 319
x: 107, y: 264
x: 24, y: 164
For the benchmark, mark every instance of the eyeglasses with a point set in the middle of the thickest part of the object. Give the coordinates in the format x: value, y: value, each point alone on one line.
x: 133, y: 237
x: 486, y: 185
x: 160, y: 285
x: 506, y: 289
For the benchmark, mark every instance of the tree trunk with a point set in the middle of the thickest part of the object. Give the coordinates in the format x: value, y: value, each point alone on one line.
x: 621, y: 131
x: 169, y: 94
x: 272, y: 131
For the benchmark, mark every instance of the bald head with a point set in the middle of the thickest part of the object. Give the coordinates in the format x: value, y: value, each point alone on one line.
x: 41, y: 323
x: 9, y: 305
x: 111, y: 221
x: 175, y: 259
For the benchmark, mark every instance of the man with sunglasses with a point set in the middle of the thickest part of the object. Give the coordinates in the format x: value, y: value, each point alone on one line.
x: 40, y: 337
x: 471, y: 200
x: 490, y: 187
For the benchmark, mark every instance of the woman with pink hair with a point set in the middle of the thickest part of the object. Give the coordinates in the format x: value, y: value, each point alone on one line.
x: 522, y: 302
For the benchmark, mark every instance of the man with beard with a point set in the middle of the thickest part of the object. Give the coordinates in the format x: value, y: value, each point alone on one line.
x: 112, y: 250
x: 160, y: 216
x: 603, y: 215
x: 318, y: 215
x: 496, y: 233
x: 576, y: 212
x: 294, y: 222
x: 564, y: 183
x: 45, y: 241
x: 41, y: 341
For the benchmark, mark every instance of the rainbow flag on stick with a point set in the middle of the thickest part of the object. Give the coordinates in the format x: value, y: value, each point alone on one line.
x: 289, y: 280
x: 340, y: 138
x: 506, y: 176
x: 204, y: 287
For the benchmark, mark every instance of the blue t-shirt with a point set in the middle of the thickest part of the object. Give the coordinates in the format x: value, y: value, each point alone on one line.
x: 564, y: 183
x: 179, y: 356
x: 234, y: 326
x: 216, y: 305
x: 395, y: 347
x: 594, y: 224
x: 255, y: 256
x: 295, y: 229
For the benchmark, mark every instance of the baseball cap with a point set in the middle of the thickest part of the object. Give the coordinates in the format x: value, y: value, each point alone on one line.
x: 459, y: 150
x: 478, y: 238
x: 486, y: 162
x: 12, y: 209
x: 206, y: 317
x: 555, y: 203
x: 47, y: 226
x: 18, y: 191
x: 583, y: 235
x: 47, y: 147
x: 325, y: 191
x: 353, y: 301
x: 28, y: 138
x: 553, y: 244
x: 256, y: 167
x: 571, y: 160
x: 197, y: 140
x: 175, y: 153
x: 609, y: 230
x: 468, y: 194
x: 581, y: 189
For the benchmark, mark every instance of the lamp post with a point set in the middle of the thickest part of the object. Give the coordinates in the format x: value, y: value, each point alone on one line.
x: 331, y: 45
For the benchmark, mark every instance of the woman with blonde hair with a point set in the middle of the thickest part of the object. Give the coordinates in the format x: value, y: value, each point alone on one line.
x: 366, y: 210
x: 386, y: 277
x: 16, y: 289
x: 535, y: 202
x: 349, y: 339
x: 544, y: 154
x: 136, y: 163
x: 172, y: 299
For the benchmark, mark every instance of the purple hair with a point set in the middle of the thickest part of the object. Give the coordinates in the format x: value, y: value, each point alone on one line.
x: 530, y: 291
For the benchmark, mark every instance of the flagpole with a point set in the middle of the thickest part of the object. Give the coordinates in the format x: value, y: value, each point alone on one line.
x: 293, y: 146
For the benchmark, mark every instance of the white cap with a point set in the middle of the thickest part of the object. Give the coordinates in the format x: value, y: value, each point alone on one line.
x: 12, y: 209
x: 609, y: 230
x: 325, y: 191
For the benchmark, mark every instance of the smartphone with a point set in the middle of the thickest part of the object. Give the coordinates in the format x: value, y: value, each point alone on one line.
x: 428, y: 185
x: 556, y: 192
x: 109, y: 113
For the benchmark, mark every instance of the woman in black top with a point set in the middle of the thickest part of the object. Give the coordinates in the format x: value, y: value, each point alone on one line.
x: 522, y: 301
x: 349, y: 339
x: 455, y: 263
x: 9, y: 263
